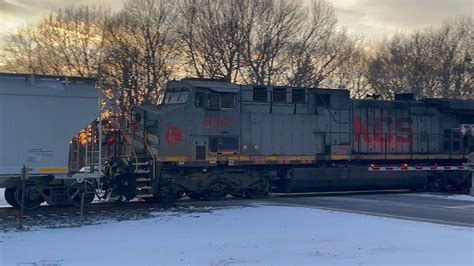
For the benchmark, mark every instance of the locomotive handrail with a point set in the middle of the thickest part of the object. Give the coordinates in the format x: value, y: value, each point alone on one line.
x: 145, y: 140
x: 132, y: 148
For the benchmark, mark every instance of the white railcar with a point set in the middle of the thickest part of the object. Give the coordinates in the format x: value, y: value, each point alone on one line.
x: 39, y: 115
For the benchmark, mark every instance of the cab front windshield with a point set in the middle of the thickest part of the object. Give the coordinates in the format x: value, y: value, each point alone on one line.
x: 173, y: 96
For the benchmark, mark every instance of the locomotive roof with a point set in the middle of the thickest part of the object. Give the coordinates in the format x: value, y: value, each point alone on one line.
x: 221, y: 85
x: 61, y: 78
x: 465, y: 105
x: 214, y: 85
x: 224, y: 86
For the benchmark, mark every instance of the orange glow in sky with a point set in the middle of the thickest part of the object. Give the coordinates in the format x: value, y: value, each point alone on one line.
x: 372, y: 18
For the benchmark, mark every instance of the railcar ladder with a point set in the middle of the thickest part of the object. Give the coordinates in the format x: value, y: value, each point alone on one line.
x: 143, y: 174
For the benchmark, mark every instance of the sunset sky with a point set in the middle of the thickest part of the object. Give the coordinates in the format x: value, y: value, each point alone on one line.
x: 372, y: 18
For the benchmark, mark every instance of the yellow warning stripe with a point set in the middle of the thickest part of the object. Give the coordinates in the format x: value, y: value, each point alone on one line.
x: 52, y: 170
x: 340, y: 157
x: 238, y: 158
x: 173, y: 158
x: 287, y: 159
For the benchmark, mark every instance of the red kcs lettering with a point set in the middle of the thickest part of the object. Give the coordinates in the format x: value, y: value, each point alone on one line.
x: 402, y: 127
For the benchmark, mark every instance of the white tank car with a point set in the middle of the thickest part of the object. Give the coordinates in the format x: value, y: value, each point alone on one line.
x: 39, y: 115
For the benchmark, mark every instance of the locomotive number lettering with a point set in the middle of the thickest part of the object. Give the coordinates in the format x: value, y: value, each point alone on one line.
x: 403, y: 131
x: 215, y: 122
x: 173, y: 135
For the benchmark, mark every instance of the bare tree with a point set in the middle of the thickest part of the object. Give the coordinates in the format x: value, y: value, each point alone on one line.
x: 452, y: 48
x: 20, y: 53
x: 238, y: 40
x: 212, y: 36
x: 269, y: 28
x: 433, y: 62
x: 67, y: 42
x: 141, y: 52
x: 397, y: 66
x: 352, y: 74
x: 320, y: 48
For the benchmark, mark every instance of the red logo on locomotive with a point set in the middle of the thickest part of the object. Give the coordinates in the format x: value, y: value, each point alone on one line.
x: 173, y: 135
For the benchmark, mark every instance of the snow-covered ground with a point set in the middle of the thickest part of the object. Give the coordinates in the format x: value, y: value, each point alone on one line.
x: 452, y: 197
x: 259, y: 234
x: 3, y: 203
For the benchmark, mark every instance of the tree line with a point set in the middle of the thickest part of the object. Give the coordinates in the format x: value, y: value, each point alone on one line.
x: 137, y: 49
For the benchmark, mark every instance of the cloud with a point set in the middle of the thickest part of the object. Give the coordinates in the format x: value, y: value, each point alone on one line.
x: 18, y: 13
x: 377, y: 18
x: 13, y: 7
x: 373, y: 18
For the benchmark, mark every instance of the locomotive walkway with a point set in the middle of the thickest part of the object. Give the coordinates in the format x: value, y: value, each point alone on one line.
x: 407, y: 206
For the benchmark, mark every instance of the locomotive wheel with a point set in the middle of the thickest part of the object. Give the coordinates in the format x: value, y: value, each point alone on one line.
x: 194, y: 195
x: 460, y: 181
x: 75, y: 191
x: 215, y: 191
x: 258, y: 189
x: 10, y: 197
x: 437, y: 184
x: 33, y: 198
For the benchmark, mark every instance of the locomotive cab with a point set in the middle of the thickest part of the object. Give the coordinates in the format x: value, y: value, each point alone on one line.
x: 195, y: 122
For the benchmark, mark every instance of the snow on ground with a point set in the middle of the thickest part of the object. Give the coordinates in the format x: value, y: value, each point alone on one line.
x: 461, y: 197
x: 258, y: 234
x: 453, y: 197
x: 3, y: 203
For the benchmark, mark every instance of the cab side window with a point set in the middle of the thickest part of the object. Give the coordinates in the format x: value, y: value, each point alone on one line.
x: 199, y: 99
x: 214, y: 100
x: 227, y: 100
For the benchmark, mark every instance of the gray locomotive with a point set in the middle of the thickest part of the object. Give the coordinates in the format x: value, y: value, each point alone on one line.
x: 210, y: 138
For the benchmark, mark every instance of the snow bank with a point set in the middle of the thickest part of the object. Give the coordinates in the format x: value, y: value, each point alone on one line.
x: 461, y: 197
x: 3, y: 203
x: 453, y: 197
x: 253, y: 235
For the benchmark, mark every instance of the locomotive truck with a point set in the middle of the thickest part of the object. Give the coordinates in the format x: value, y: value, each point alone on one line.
x: 208, y: 138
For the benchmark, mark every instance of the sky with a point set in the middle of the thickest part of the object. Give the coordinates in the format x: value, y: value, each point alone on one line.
x: 371, y: 18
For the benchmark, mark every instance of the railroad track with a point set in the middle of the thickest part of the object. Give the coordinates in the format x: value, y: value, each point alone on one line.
x: 104, y: 207
x: 55, y: 216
